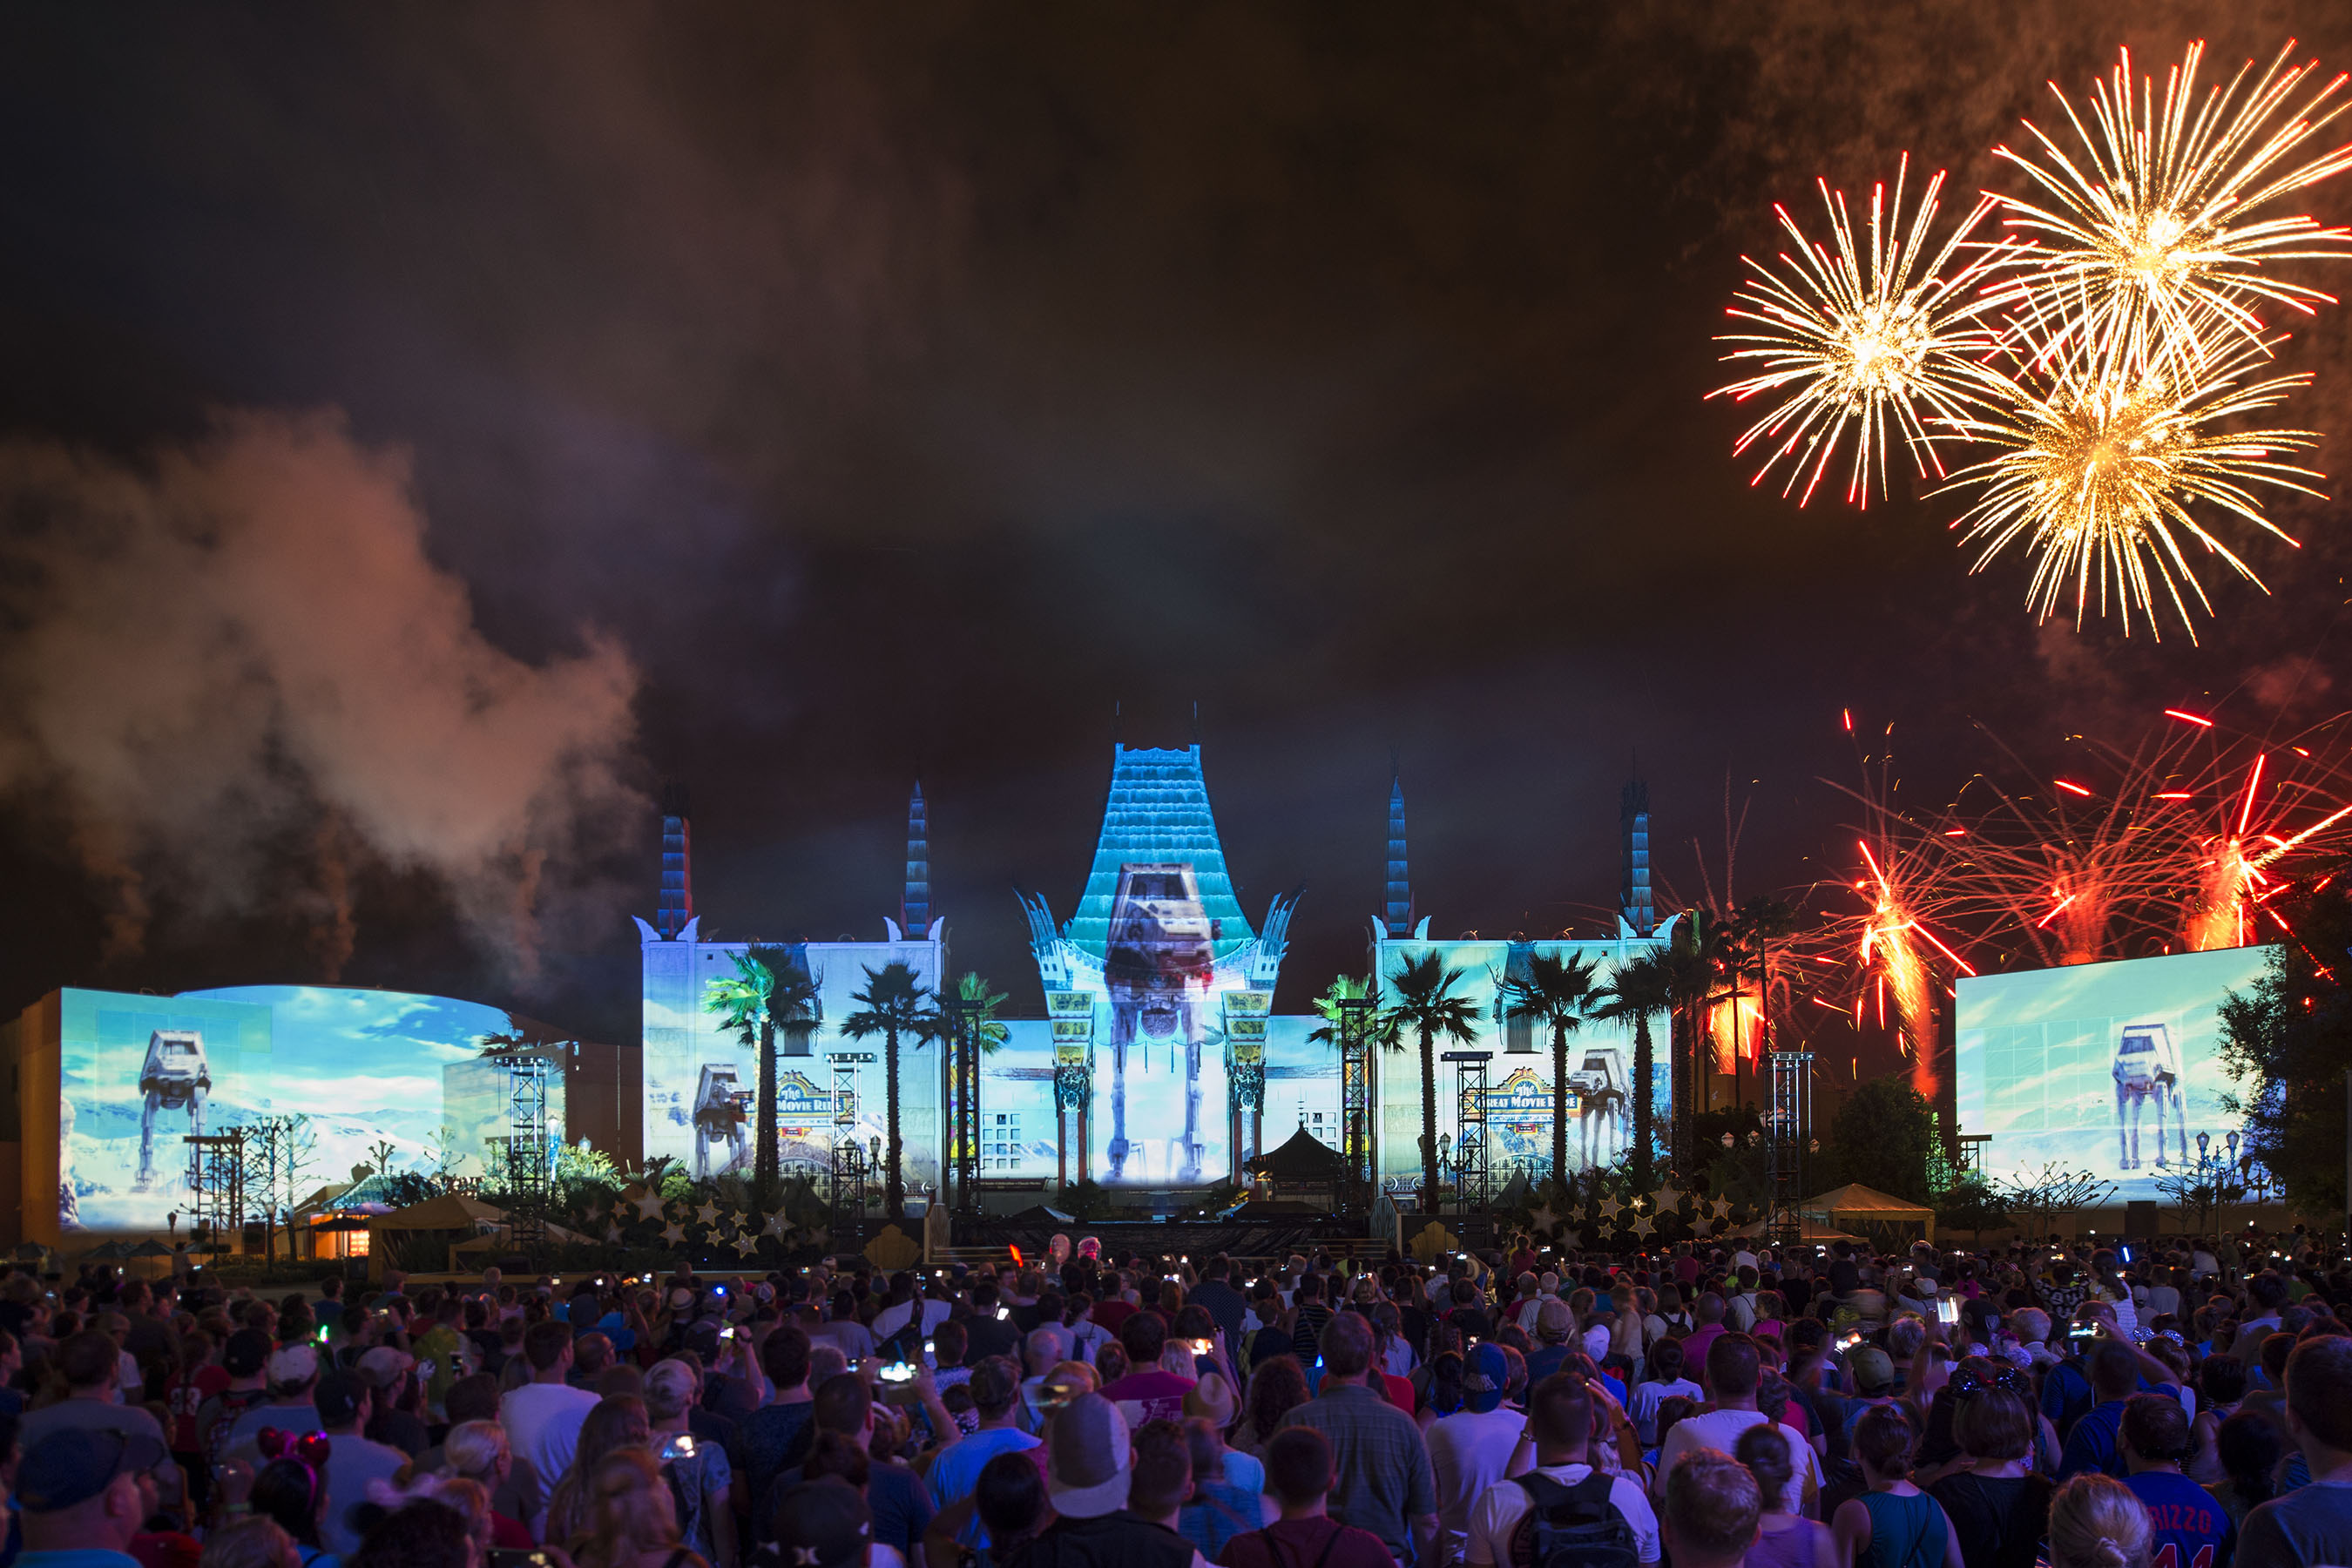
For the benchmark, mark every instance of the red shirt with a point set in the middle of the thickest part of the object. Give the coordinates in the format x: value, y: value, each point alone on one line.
x: 184, y: 1397
x: 1111, y: 1314
x: 1398, y: 1391
x: 1287, y: 1542
x: 510, y: 1535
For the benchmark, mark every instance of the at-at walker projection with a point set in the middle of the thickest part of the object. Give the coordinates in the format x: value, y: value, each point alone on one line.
x: 718, y: 1117
x: 2147, y: 1070
x: 176, y: 1077
x: 1600, y: 1088
x: 1161, y: 959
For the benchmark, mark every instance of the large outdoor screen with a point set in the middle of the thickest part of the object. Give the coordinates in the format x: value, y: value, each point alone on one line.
x: 702, y: 1079
x: 2113, y: 1069
x: 139, y: 1074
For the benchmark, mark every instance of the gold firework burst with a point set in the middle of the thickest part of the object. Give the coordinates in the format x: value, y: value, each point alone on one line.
x: 2150, y: 247
x: 1865, y: 340
x: 2095, y: 470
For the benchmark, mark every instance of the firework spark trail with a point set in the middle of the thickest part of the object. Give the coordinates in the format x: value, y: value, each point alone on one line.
x: 2142, y: 253
x: 1865, y: 341
x: 2093, y: 473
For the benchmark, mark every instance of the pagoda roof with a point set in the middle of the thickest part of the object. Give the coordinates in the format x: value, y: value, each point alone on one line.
x: 1305, y: 1158
x: 1158, y: 811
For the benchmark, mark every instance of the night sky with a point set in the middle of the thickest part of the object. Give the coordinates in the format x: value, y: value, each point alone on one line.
x: 794, y: 402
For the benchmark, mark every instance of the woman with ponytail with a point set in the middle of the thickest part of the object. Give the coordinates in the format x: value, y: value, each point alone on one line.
x: 2096, y: 1523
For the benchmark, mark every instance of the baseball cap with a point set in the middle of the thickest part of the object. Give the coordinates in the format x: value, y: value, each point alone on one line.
x: 826, y: 1522
x: 247, y: 1353
x: 1483, y: 1375
x: 383, y: 1366
x: 1086, y: 1459
x: 1872, y: 1368
x: 1553, y: 1319
x: 75, y: 1464
x: 293, y: 1365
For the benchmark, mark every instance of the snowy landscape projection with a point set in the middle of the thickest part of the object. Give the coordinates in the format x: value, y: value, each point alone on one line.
x: 365, y: 1067
x: 2113, y: 1069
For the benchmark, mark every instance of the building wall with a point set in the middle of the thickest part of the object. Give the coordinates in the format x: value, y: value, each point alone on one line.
x: 683, y: 1039
x: 1518, y: 1079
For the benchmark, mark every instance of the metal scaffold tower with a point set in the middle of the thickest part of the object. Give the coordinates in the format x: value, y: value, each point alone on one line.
x: 1788, y: 1126
x: 849, y: 1161
x: 1356, y: 1097
x: 216, y: 1185
x: 1468, y: 1159
x: 529, y: 1176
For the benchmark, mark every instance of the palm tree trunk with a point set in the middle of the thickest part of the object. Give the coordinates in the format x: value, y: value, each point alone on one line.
x: 1682, y: 1073
x: 763, y: 1147
x: 1429, y: 1119
x: 1644, y: 1109
x: 1559, y: 1106
x: 894, y: 1184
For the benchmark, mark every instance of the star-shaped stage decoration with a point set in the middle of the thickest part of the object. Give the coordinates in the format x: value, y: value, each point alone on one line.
x: 776, y: 1226
x: 819, y: 1236
x: 1544, y: 1220
x: 746, y: 1244
x: 1643, y: 1227
x: 1668, y: 1198
x: 708, y: 1214
x: 1722, y: 1207
x: 612, y: 1234
x: 1610, y: 1207
x: 650, y: 1206
x: 740, y: 1218
x: 674, y: 1234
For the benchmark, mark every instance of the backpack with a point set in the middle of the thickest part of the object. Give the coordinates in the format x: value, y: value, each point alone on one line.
x: 1573, y: 1527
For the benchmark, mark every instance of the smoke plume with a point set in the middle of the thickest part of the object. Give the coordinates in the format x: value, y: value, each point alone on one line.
x: 240, y: 643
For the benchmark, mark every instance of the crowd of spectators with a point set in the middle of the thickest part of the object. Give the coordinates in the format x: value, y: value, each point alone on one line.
x: 2188, y: 1405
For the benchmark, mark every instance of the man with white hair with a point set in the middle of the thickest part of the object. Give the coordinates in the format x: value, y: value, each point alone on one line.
x: 1045, y: 1345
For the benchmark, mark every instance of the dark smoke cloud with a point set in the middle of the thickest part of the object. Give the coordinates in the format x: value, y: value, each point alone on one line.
x: 243, y: 637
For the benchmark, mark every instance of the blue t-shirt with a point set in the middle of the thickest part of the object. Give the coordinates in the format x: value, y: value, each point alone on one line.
x: 2092, y: 1445
x: 2065, y: 1396
x: 2191, y: 1531
x: 902, y: 1507
x: 956, y: 1472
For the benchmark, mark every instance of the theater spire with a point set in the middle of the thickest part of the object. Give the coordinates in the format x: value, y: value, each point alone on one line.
x: 675, y: 912
x: 915, y: 907
x: 1397, y: 916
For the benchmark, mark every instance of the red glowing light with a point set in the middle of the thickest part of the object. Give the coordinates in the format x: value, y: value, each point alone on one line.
x: 2254, y: 782
x: 2073, y: 788
x: 2182, y: 795
x: 1847, y: 713
x: 2187, y: 718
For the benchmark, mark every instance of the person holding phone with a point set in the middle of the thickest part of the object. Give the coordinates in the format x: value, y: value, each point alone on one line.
x: 699, y: 1474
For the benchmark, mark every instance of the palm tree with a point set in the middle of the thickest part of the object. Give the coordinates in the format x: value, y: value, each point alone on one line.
x: 1427, y: 1006
x: 1641, y: 988
x: 769, y: 991
x: 973, y: 991
x: 1557, y: 994
x: 1330, y: 1007
x: 979, y: 1004
x: 896, y: 1005
x: 1747, y: 936
x: 1692, y: 986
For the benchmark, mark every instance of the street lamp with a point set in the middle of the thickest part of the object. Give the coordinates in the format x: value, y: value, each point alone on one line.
x: 2233, y: 1146
x: 2202, y: 1139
